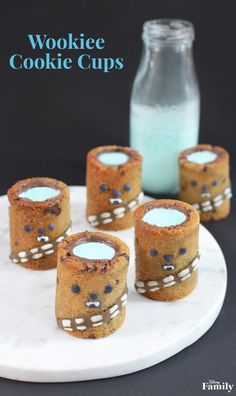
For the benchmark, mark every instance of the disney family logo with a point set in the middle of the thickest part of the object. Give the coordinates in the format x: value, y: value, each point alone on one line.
x: 213, y: 385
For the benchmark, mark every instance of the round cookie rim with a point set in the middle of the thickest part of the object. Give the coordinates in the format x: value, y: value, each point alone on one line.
x: 218, y: 150
x: 72, y: 241
x: 147, y: 206
x: 26, y: 184
x: 134, y: 155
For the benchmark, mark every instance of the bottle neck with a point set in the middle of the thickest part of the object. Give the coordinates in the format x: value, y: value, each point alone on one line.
x: 168, y: 58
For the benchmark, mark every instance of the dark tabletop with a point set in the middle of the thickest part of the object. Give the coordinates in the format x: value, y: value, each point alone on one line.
x: 50, y: 120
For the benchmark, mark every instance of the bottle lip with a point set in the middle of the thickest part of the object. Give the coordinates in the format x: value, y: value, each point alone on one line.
x: 167, y: 31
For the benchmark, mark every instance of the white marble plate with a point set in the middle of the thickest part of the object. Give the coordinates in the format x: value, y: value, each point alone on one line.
x: 32, y: 348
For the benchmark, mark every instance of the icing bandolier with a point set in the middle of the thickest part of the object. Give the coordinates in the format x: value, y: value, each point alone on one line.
x: 37, y: 227
x: 206, y: 186
x: 113, y: 189
x: 166, y: 256
x: 91, y: 294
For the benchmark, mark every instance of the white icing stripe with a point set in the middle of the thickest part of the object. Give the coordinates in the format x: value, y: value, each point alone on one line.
x: 22, y: 254
x: 119, y: 210
x: 183, y: 272
x: 49, y: 251
x: 185, y: 277
x: 112, y: 309
x: 169, y: 284
x: 60, y: 239
x: 120, y: 216
x: 168, y: 279
x: 79, y: 320
x: 47, y: 246
x: 66, y: 322
x: 115, y: 314
x: 152, y: 283
x: 96, y: 318
x: 141, y: 290
x: 207, y: 209
x: 24, y: 260
x: 106, y: 221
x: 105, y: 215
x: 37, y: 255
x: 97, y: 324
x: 153, y: 289
x: 124, y: 297
x: 208, y: 206
x: 34, y: 250
x: 140, y: 283
x: 206, y: 203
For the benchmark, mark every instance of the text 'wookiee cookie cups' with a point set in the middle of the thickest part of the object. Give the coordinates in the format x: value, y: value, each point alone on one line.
x: 91, y: 293
x: 166, y: 249
x: 39, y: 215
x: 114, y: 185
x: 205, y: 180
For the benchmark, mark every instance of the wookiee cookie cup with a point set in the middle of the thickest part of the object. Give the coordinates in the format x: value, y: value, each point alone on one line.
x: 113, y: 186
x: 91, y: 284
x: 205, y: 180
x: 166, y: 248
x: 39, y: 216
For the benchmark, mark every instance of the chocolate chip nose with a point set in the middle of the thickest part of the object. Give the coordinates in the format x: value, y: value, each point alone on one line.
x: 116, y: 193
x: 41, y: 231
x: 205, y: 188
x: 94, y: 296
x: 168, y: 258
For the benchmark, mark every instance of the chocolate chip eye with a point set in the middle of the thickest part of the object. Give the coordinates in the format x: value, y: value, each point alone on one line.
x: 28, y: 228
x: 75, y: 288
x: 168, y: 258
x: 51, y: 227
x: 193, y: 183
x: 182, y: 251
x: 108, y: 289
x: 127, y: 187
x: 103, y: 187
x: 215, y: 182
x: 153, y: 252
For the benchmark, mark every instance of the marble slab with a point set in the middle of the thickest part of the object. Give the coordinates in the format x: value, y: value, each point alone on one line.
x: 32, y: 348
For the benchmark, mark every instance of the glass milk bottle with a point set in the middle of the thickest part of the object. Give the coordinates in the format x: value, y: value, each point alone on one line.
x: 165, y: 102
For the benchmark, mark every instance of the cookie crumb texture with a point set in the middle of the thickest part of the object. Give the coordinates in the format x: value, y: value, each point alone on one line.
x: 163, y: 252
x: 206, y: 186
x: 113, y: 192
x: 35, y: 226
x: 91, y: 295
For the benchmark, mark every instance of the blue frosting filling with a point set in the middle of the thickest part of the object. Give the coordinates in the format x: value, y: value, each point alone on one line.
x: 113, y: 158
x: 39, y: 194
x: 202, y: 157
x: 164, y: 217
x: 94, y: 251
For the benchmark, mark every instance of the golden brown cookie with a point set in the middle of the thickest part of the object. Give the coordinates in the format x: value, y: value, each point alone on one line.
x: 113, y: 182
x: 166, y: 248
x: 205, y: 180
x: 39, y: 219
x: 91, y: 284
